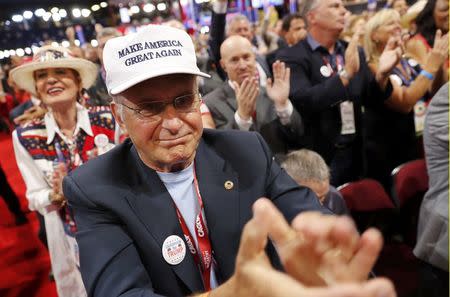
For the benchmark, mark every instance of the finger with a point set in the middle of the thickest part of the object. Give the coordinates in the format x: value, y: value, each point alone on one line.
x: 345, y: 237
x: 391, y: 44
x: 269, y: 84
x: 277, y: 70
x: 287, y: 75
x: 236, y: 86
x: 369, y: 248
x: 279, y: 230
x: 437, y: 36
x: 316, y: 228
x: 253, y: 238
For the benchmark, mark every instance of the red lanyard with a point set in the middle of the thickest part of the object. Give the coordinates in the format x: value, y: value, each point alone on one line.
x: 205, y: 260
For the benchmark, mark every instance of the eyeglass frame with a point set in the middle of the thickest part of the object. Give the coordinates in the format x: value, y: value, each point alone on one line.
x: 138, y: 111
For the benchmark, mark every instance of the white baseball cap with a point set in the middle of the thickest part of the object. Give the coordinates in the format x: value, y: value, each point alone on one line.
x: 153, y: 51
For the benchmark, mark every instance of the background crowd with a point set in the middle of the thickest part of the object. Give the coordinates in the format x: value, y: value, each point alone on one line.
x: 339, y: 97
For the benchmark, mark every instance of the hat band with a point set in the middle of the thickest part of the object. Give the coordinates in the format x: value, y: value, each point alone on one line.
x: 50, y: 55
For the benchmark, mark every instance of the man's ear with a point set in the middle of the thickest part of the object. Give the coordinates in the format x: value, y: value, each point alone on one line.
x: 222, y: 64
x: 118, y: 114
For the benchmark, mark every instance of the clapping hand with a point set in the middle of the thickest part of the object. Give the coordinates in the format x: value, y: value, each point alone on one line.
x: 246, y: 95
x: 278, y: 88
x: 254, y: 275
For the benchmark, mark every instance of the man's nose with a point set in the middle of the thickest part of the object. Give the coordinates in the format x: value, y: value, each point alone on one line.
x: 171, y: 120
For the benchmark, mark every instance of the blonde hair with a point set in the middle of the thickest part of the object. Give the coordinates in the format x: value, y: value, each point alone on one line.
x: 380, y: 18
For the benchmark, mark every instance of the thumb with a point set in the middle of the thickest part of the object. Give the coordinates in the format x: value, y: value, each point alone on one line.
x: 391, y: 44
x: 437, y: 36
x: 236, y: 86
x: 269, y: 83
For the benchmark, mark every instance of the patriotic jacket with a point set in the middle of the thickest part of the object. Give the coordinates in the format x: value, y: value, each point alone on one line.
x: 39, y: 145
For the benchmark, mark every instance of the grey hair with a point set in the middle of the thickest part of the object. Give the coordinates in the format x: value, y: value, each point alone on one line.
x: 306, y: 165
x: 236, y: 18
x: 306, y: 7
x: 108, y: 31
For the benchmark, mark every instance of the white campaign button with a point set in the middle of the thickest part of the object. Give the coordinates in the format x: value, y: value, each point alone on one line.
x: 412, y: 62
x: 325, y: 71
x: 174, y: 250
x: 101, y: 140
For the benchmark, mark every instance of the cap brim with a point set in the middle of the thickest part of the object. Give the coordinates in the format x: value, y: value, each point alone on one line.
x: 145, y: 76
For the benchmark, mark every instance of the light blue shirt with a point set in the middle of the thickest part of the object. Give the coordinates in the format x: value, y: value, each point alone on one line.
x: 181, y: 187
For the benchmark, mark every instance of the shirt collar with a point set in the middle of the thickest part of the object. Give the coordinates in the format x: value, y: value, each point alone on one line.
x: 83, y: 122
x: 314, y: 44
x: 35, y: 101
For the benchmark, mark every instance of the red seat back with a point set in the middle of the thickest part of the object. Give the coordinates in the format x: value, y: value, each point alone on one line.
x: 410, y: 180
x: 365, y: 195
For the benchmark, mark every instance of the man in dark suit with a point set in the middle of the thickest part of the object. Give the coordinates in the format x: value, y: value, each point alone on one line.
x: 163, y: 213
x: 331, y: 81
x: 241, y: 104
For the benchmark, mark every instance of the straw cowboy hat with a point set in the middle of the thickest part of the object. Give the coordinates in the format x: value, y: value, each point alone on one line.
x: 53, y: 57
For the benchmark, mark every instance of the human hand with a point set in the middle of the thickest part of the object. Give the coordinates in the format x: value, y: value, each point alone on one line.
x: 438, y: 54
x: 278, y: 88
x: 246, y: 95
x: 56, y: 195
x: 35, y: 112
x: 390, y: 56
x: 352, y: 55
x: 254, y: 276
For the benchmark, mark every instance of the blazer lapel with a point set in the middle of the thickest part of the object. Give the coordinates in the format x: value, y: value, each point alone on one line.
x: 219, y: 188
x: 264, y: 109
x: 230, y: 96
x: 153, y: 204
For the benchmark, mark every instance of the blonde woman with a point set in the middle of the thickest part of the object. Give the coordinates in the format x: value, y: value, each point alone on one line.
x: 47, y: 148
x: 391, y: 129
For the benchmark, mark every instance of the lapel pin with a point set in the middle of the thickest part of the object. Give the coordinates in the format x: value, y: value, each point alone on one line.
x: 228, y: 185
x: 174, y: 250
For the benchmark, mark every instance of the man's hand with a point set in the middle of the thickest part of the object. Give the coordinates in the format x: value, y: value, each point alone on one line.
x: 352, y: 56
x: 278, y: 89
x: 246, y: 95
x: 254, y: 276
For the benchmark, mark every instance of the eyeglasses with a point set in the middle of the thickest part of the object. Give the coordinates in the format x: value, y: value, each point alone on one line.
x: 151, y: 110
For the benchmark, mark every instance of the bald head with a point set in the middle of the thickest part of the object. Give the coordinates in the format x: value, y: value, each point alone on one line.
x: 237, y: 58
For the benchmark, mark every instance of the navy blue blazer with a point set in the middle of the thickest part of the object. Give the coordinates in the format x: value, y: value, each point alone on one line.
x: 124, y: 213
x: 317, y: 97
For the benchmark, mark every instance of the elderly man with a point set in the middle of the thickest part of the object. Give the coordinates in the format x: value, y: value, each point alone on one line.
x: 330, y: 83
x: 163, y: 213
x: 240, y: 103
x: 309, y: 169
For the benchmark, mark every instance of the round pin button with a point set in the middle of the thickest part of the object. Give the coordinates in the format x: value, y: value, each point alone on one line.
x: 101, y: 140
x: 325, y: 71
x: 228, y: 185
x: 174, y: 250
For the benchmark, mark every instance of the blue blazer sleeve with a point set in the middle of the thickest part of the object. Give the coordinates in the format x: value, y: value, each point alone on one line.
x: 116, y: 268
